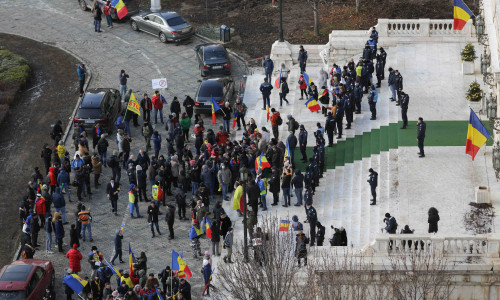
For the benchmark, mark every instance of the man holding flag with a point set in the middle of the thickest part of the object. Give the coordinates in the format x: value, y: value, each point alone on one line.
x: 265, y: 89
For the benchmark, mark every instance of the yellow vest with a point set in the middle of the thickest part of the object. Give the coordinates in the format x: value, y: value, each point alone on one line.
x: 131, y: 197
x: 154, y: 192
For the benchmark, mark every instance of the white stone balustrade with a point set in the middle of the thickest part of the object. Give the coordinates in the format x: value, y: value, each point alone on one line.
x: 479, y: 245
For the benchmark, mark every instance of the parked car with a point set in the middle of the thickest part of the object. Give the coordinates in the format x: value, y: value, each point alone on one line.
x: 99, y: 106
x: 213, y: 60
x: 168, y: 26
x: 26, y: 279
x: 132, y: 7
x: 221, y: 89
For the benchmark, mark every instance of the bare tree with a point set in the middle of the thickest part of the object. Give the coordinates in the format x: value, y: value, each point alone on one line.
x: 271, y: 271
x: 358, y: 4
x: 315, y: 6
x: 420, y: 275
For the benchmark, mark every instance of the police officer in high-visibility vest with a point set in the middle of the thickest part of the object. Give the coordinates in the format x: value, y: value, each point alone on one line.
x: 158, y: 194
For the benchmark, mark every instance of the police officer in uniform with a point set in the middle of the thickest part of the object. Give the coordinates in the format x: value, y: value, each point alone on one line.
x: 372, y: 101
x: 312, y: 218
x: 405, y: 99
x: 373, y: 181
x: 421, y: 126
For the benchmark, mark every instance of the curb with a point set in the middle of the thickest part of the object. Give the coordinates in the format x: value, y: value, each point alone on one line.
x: 70, y: 123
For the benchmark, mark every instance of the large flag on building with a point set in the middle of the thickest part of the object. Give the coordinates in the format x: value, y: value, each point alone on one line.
x: 133, y: 105
x: 178, y: 264
x: 461, y: 14
x: 75, y: 282
x: 215, y: 107
x: 477, y: 135
x: 121, y: 9
x: 312, y: 104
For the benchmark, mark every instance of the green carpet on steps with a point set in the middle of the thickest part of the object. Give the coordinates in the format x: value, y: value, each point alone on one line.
x: 438, y: 133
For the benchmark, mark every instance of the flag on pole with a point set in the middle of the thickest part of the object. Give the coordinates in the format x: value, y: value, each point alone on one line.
x: 179, y: 264
x: 277, y: 83
x: 133, y: 105
x: 208, y: 229
x: 312, y: 104
x: 238, y: 198
x: 206, y: 285
x: 75, y: 282
x: 261, y: 162
x: 461, y: 14
x: 477, y: 135
x: 131, y: 259
x: 284, y: 225
x: 113, y: 270
x: 287, y: 151
x: 195, y: 232
x: 235, y: 117
x: 267, y: 110
x: 215, y: 107
x: 159, y: 294
x: 121, y: 9
x: 307, y: 80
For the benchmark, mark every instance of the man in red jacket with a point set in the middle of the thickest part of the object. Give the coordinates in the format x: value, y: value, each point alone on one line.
x: 157, y: 101
x: 74, y: 257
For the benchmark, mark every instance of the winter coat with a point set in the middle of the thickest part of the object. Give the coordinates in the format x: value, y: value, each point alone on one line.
x: 157, y: 142
x: 74, y: 257
x: 63, y: 177
x: 58, y: 198
x: 157, y: 102
x: 265, y: 88
x: 433, y: 222
x: 96, y: 165
x: 268, y: 66
x: 207, y: 272
x: 175, y: 107
x: 102, y: 145
x: 274, y: 183
x: 298, y: 180
x: 58, y: 229
x: 224, y: 176
x: 185, y: 123
x: 292, y: 141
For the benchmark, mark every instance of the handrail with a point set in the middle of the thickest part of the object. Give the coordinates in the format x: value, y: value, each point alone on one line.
x: 250, y: 60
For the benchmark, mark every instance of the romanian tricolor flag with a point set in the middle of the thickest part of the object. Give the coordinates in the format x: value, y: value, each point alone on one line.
x: 287, y: 151
x: 75, y: 282
x: 208, y: 229
x: 133, y: 105
x: 215, y: 107
x: 235, y: 117
x: 312, y: 104
x: 323, y: 93
x: 179, y: 264
x: 267, y: 110
x: 307, y: 80
x: 121, y: 9
x: 477, y: 135
x: 261, y: 162
x: 277, y: 83
x: 113, y: 270
x: 238, y: 198
x: 195, y: 232
x: 461, y: 14
x: 131, y: 259
x: 285, y: 225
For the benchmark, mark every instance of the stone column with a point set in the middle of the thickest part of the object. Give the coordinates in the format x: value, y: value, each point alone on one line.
x: 281, y: 52
x: 382, y: 27
x: 155, y: 5
x: 424, y: 27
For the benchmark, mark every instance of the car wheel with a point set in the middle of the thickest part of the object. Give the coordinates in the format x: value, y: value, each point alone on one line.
x: 83, y: 5
x: 134, y: 26
x: 163, y: 37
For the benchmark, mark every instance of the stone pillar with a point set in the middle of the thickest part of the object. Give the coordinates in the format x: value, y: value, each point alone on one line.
x: 424, y: 27
x: 155, y: 5
x: 437, y: 244
x: 493, y: 248
x: 281, y: 52
x: 382, y: 27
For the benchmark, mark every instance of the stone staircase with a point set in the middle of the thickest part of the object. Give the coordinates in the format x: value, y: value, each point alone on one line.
x: 342, y: 199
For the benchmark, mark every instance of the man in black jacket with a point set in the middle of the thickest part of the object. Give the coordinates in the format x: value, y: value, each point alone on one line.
x: 292, y: 143
x: 274, y: 185
x: 405, y: 99
x: 421, y: 126
x: 330, y: 128
x: 398, y: 84
x: 146, y: 106
x: 312, y: 218
x: 153, y: 218
x: 189, y: 106
x: 379, y: 69
x: 298, y: 184
x: 373, y: 181
x: 112, y: 190
x: 170, y: 218
x: 303, y: 142
x: 339, y: 117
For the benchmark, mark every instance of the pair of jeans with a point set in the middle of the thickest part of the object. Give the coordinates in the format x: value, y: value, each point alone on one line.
x: 109, y: 20
x: 286, y: 196
x: 48, y: 241
x: 127, y: 128
x: 268, y: 76
x: 393, y: 91
x: 215, y: 248
x: 118, y: 254
x: 283, y: 97
x: 226, y: 125
x: 152, y: 228
x: 62, y: 210
x: 224, y: 190
x: 194, y: 186
x: 156, y: 115
x: 86, y: 227
x: 266, y: 100
x: 126, y: 155
x: 103, y: 157
x: 97, y: 25
x: 123, y: 90
x: 298, y: 193
x: 263, y: 200
x: 421, y: 146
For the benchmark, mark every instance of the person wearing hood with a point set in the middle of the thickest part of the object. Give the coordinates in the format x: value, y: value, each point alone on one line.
x: 207, y: 275
x: 301, y: 246
x: 63, y: 182
x: 292, y: 143
x: 320, y: 234
x: 74, y: 257
x: 298, y: 184
x: 268, y: 66
x: 303, y: 142
x: 59, y: 203
x: 49, y: 228
x: 118, y: 246
x: 433, y: 220
x: 156, y: 143
x: 296, y: 224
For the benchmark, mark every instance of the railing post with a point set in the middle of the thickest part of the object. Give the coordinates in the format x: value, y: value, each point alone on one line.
x: 382, y: 27
x: 437, y: 244
x: 493, y: 245
x: 424, y: 27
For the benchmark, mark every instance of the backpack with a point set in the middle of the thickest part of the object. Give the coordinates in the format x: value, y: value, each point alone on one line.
x: 295, y: 125
x: 111, y: 162
x: 279, y: 121
x: 146, y: 131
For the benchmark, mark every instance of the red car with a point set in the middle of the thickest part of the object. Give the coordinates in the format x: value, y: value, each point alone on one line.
x: 26, y: 279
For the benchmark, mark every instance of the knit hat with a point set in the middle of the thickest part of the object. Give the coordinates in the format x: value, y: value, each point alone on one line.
x: 295, y: 218
x: 75, y: 246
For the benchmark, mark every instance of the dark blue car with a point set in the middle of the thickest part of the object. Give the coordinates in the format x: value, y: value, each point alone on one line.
x: 213, y: 60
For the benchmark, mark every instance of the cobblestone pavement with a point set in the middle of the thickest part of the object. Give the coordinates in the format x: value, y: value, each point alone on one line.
x: 62, y: 24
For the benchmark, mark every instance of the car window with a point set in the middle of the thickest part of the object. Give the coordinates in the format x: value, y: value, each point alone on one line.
x: 106, y: 103
x: 216, y: 54
x: 175, y: 21
x: 12, y: 295
x: 32, y: 284
x: 151, y: 17
x: 159, y: 21
x: 207, y: 91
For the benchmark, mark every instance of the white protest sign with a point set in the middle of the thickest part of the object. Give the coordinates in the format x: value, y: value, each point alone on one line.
x: 159, y: 83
